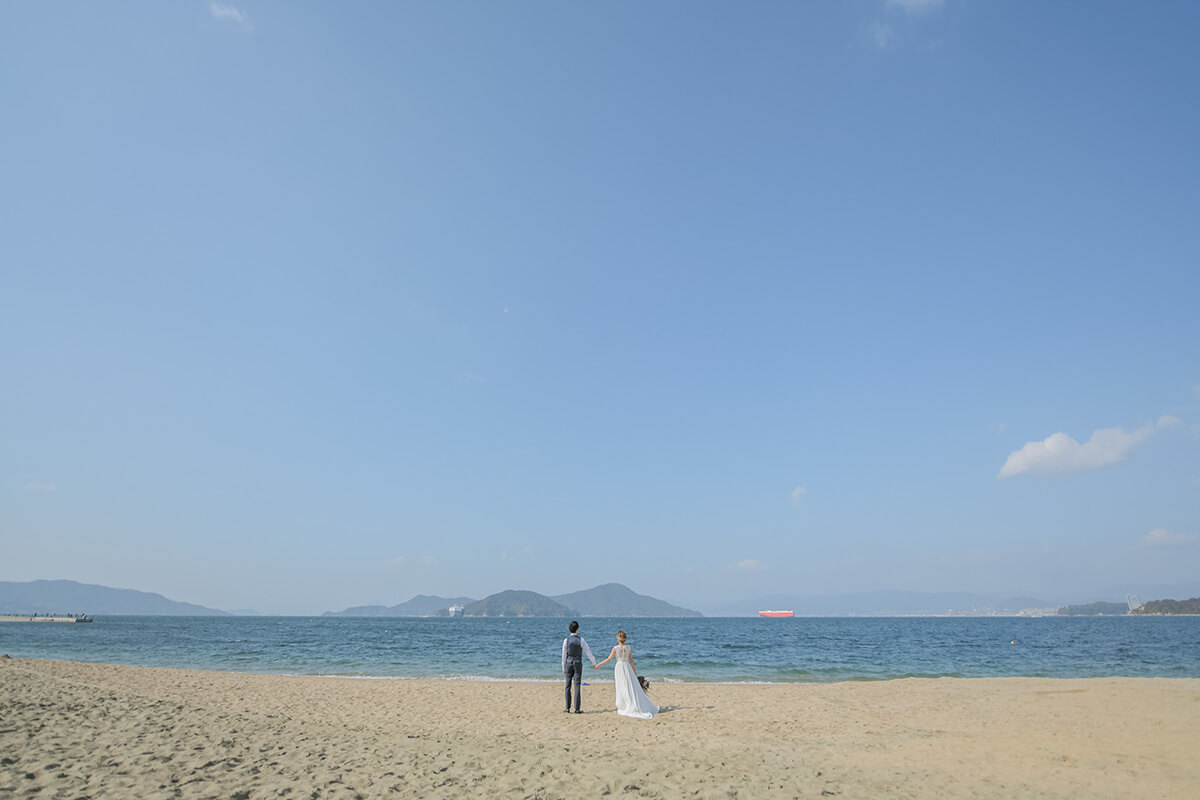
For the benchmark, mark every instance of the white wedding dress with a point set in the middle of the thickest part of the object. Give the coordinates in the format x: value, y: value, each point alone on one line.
x: 631, y: 700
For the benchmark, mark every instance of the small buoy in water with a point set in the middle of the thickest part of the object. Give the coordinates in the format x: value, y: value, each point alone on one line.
x: 1014, y: 641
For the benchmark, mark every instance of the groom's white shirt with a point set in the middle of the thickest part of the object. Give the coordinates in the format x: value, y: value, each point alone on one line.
x: 587, y: 651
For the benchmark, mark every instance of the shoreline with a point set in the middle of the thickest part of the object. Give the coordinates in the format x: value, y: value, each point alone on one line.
x: 76, y: 728
x: 601, y: 678
x: 600, y: 681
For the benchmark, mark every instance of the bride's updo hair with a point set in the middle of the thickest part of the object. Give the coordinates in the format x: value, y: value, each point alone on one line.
x: 621, y: 637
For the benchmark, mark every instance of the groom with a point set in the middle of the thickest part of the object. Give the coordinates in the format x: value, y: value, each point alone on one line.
x: 574, y: 648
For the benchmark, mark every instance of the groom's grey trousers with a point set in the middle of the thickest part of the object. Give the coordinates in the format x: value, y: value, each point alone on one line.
x: 574, y: 674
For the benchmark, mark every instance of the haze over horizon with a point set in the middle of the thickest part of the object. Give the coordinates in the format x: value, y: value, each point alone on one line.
x: 305, y: 307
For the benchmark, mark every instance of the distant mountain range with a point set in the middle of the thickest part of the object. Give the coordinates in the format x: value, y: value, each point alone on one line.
x: 423, y: 605
x: 518, y: 603
x: 615, y: 600
x: 608, y: 600
x: 43, y: 597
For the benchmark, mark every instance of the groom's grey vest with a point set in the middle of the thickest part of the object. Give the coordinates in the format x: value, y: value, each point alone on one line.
x: 574, y: 648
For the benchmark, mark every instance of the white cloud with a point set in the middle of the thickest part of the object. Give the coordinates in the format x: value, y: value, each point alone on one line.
x: 223, y: 13
x: 1163, y: 537
x: 471, y: 377
x: 40, y: 487
x: 881, y: 35
x: 915, y: 6
x: 749, y: 565
x: 798, y: 493
x: 1059, y: 454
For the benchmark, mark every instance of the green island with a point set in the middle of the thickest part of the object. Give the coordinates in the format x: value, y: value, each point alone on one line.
x: 1160, y: 608
x: 1099, y: 609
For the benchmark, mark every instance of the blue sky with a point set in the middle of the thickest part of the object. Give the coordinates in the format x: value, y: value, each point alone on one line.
x: 307, y: 305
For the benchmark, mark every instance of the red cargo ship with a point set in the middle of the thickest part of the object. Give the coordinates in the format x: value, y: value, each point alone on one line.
x: 777, y: 613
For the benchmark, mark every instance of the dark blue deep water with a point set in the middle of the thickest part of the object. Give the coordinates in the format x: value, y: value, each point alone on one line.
x: 710, y: 649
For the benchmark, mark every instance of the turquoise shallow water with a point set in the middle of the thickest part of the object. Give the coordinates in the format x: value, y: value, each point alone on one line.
x: 709, y: 649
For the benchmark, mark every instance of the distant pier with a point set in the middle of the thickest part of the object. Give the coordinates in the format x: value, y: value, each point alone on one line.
x: 45, y: 618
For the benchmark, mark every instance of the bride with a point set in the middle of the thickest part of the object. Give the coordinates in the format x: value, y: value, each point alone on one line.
x: 631, y: 700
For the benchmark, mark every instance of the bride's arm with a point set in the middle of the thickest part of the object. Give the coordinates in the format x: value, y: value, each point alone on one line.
x: 612, y: 653
x: 632, y: 666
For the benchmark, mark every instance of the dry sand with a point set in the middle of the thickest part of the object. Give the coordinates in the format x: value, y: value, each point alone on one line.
x: 75, y: 730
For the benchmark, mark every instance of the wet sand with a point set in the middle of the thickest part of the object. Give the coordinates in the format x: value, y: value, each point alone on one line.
x: 76, y: 730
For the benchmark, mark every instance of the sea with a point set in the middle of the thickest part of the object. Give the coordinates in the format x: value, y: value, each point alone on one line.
x: 718, y: 650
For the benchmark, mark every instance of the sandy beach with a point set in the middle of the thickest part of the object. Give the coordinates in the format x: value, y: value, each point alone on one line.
x: 75, y: 730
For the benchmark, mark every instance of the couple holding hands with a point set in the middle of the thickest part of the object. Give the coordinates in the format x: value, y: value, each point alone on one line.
x: 631, y: 699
